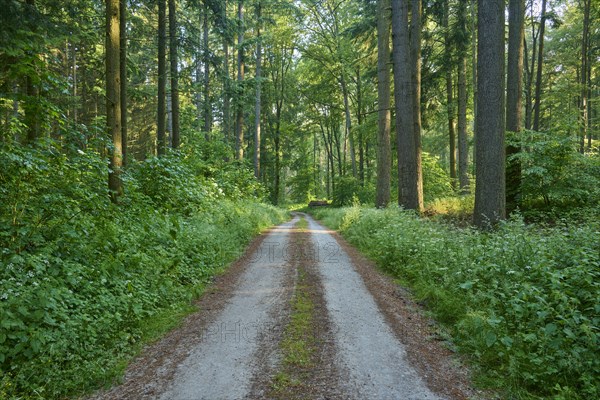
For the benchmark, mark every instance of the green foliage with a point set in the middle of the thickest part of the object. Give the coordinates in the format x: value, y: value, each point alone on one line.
x: 522, y: 301
x: 348, y: 190
x: 554, y: 171
x: 81, y: 276
x: 436, y: 180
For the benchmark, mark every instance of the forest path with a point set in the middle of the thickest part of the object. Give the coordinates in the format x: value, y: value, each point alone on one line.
x: 368, y: 339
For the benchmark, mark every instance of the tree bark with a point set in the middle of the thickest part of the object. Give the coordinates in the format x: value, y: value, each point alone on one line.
x: 584, y: 94
x: 206, y: 56
x: 384, y: 165
x: 122, y: 75
x: 113, y: 98
x: 449, y: 92
x: 162, y: 77
x: 490, y: 179
x: 415, y: 51
x: 404, y: 93
x: 514, y: 90
x: 32, y: 102
x: 239, y: 125
x: 175, y: 140
x: 540, y: 61
x: 463, y: 144
x: 257, y: 104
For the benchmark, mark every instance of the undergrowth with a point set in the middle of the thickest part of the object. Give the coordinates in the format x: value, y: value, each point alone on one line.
x: 521, y: 301
x: 83, y: 282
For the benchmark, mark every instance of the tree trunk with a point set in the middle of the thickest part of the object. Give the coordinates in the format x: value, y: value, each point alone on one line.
x: 449, y: 93
x: 404, y: 92
x: 359, y: 120
x: 540, y: 61
x: 257, y: 104
x: 583, y: 99
x: 490, y: 186
x: 384, y: 165
x: 463, y: 144
x: 113, y: 98
x: 162, y: 77
x: 206, y: 56
x: 32, y: 102
x: 226, y: 93
x: 174, y: 74
x: 239, y: 125
x: 122, y: 75
x: 415, y: 52
x: 514, y: 90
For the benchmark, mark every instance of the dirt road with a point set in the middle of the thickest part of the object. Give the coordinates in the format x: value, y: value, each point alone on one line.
x: 365, y: 338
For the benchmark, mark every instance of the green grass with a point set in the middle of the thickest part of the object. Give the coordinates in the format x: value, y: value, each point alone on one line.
x: 520, y: 301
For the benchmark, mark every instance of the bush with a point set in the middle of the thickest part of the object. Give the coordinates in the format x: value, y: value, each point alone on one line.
x: 81, y: 276
x: 522, y: 301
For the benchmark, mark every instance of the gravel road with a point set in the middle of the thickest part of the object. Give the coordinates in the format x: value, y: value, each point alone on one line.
x: 374, y: 340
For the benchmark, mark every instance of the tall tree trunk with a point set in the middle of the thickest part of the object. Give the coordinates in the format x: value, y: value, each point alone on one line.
x: 530, y: 70
x: 206, y: 56
x: 415, y: 52
x: 239, y: 125
x: 474, y: 68
x: 162, y: 77
x: 408, y: 185
x: 463, y: 144
x: 122, y: 75
x: 514, y: 90
x: 449, y: 92
x: 348, y: 125
x: 113, y: 98
x: 540, y: 61
x: 226, y: 93
x: 257, y: 104
x: 490, y: 186
x: 384, y: 165
x: 359, y: 120
x: 32, y: 102
x: 174, y: 74
x: 584, y: 94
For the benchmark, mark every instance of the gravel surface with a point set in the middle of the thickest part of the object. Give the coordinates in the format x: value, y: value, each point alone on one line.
x: 367, y: 348
x: 374, y: 341
x: 223, y: 364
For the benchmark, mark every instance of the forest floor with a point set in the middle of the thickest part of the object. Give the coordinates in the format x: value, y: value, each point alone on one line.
x: 301, y: 315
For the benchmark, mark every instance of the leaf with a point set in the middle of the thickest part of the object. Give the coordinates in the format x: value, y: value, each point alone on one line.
x: 490, y: 339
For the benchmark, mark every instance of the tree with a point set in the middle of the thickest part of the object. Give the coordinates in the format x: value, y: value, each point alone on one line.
x: 113, y: 97
x: 383, y: 100
x: 162, y: 77
x: 538, y: 81
x: 584, y: 76
x: 123, y: 75
x: 463, y: 144
x: 257, y: 103
x: 514, y: 89
x: 239, y: 124
x: 489, y: 147
x: 448, y: 64
x: 409, y: 195
x: 174, y: 74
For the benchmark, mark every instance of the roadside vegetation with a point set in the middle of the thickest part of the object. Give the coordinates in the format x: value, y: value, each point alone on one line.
x: 84, y: 282
x: 520, y: 301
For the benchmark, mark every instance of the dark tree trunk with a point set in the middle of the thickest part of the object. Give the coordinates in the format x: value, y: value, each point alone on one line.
x: 123, y: 75
x: 162, y: 77
x: 404, y: 94
x: 540, y: 61
x: 175, y: 140
x: 463, y: 144
x: 383, y: 99
x: 514, y: 89
x: 257, y: 104
x: 490, y: 184
x: 206, y: 90
x: 583, y: 75
x: 239, y: 124
x: 450, y: 93
x: 113, y: 98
